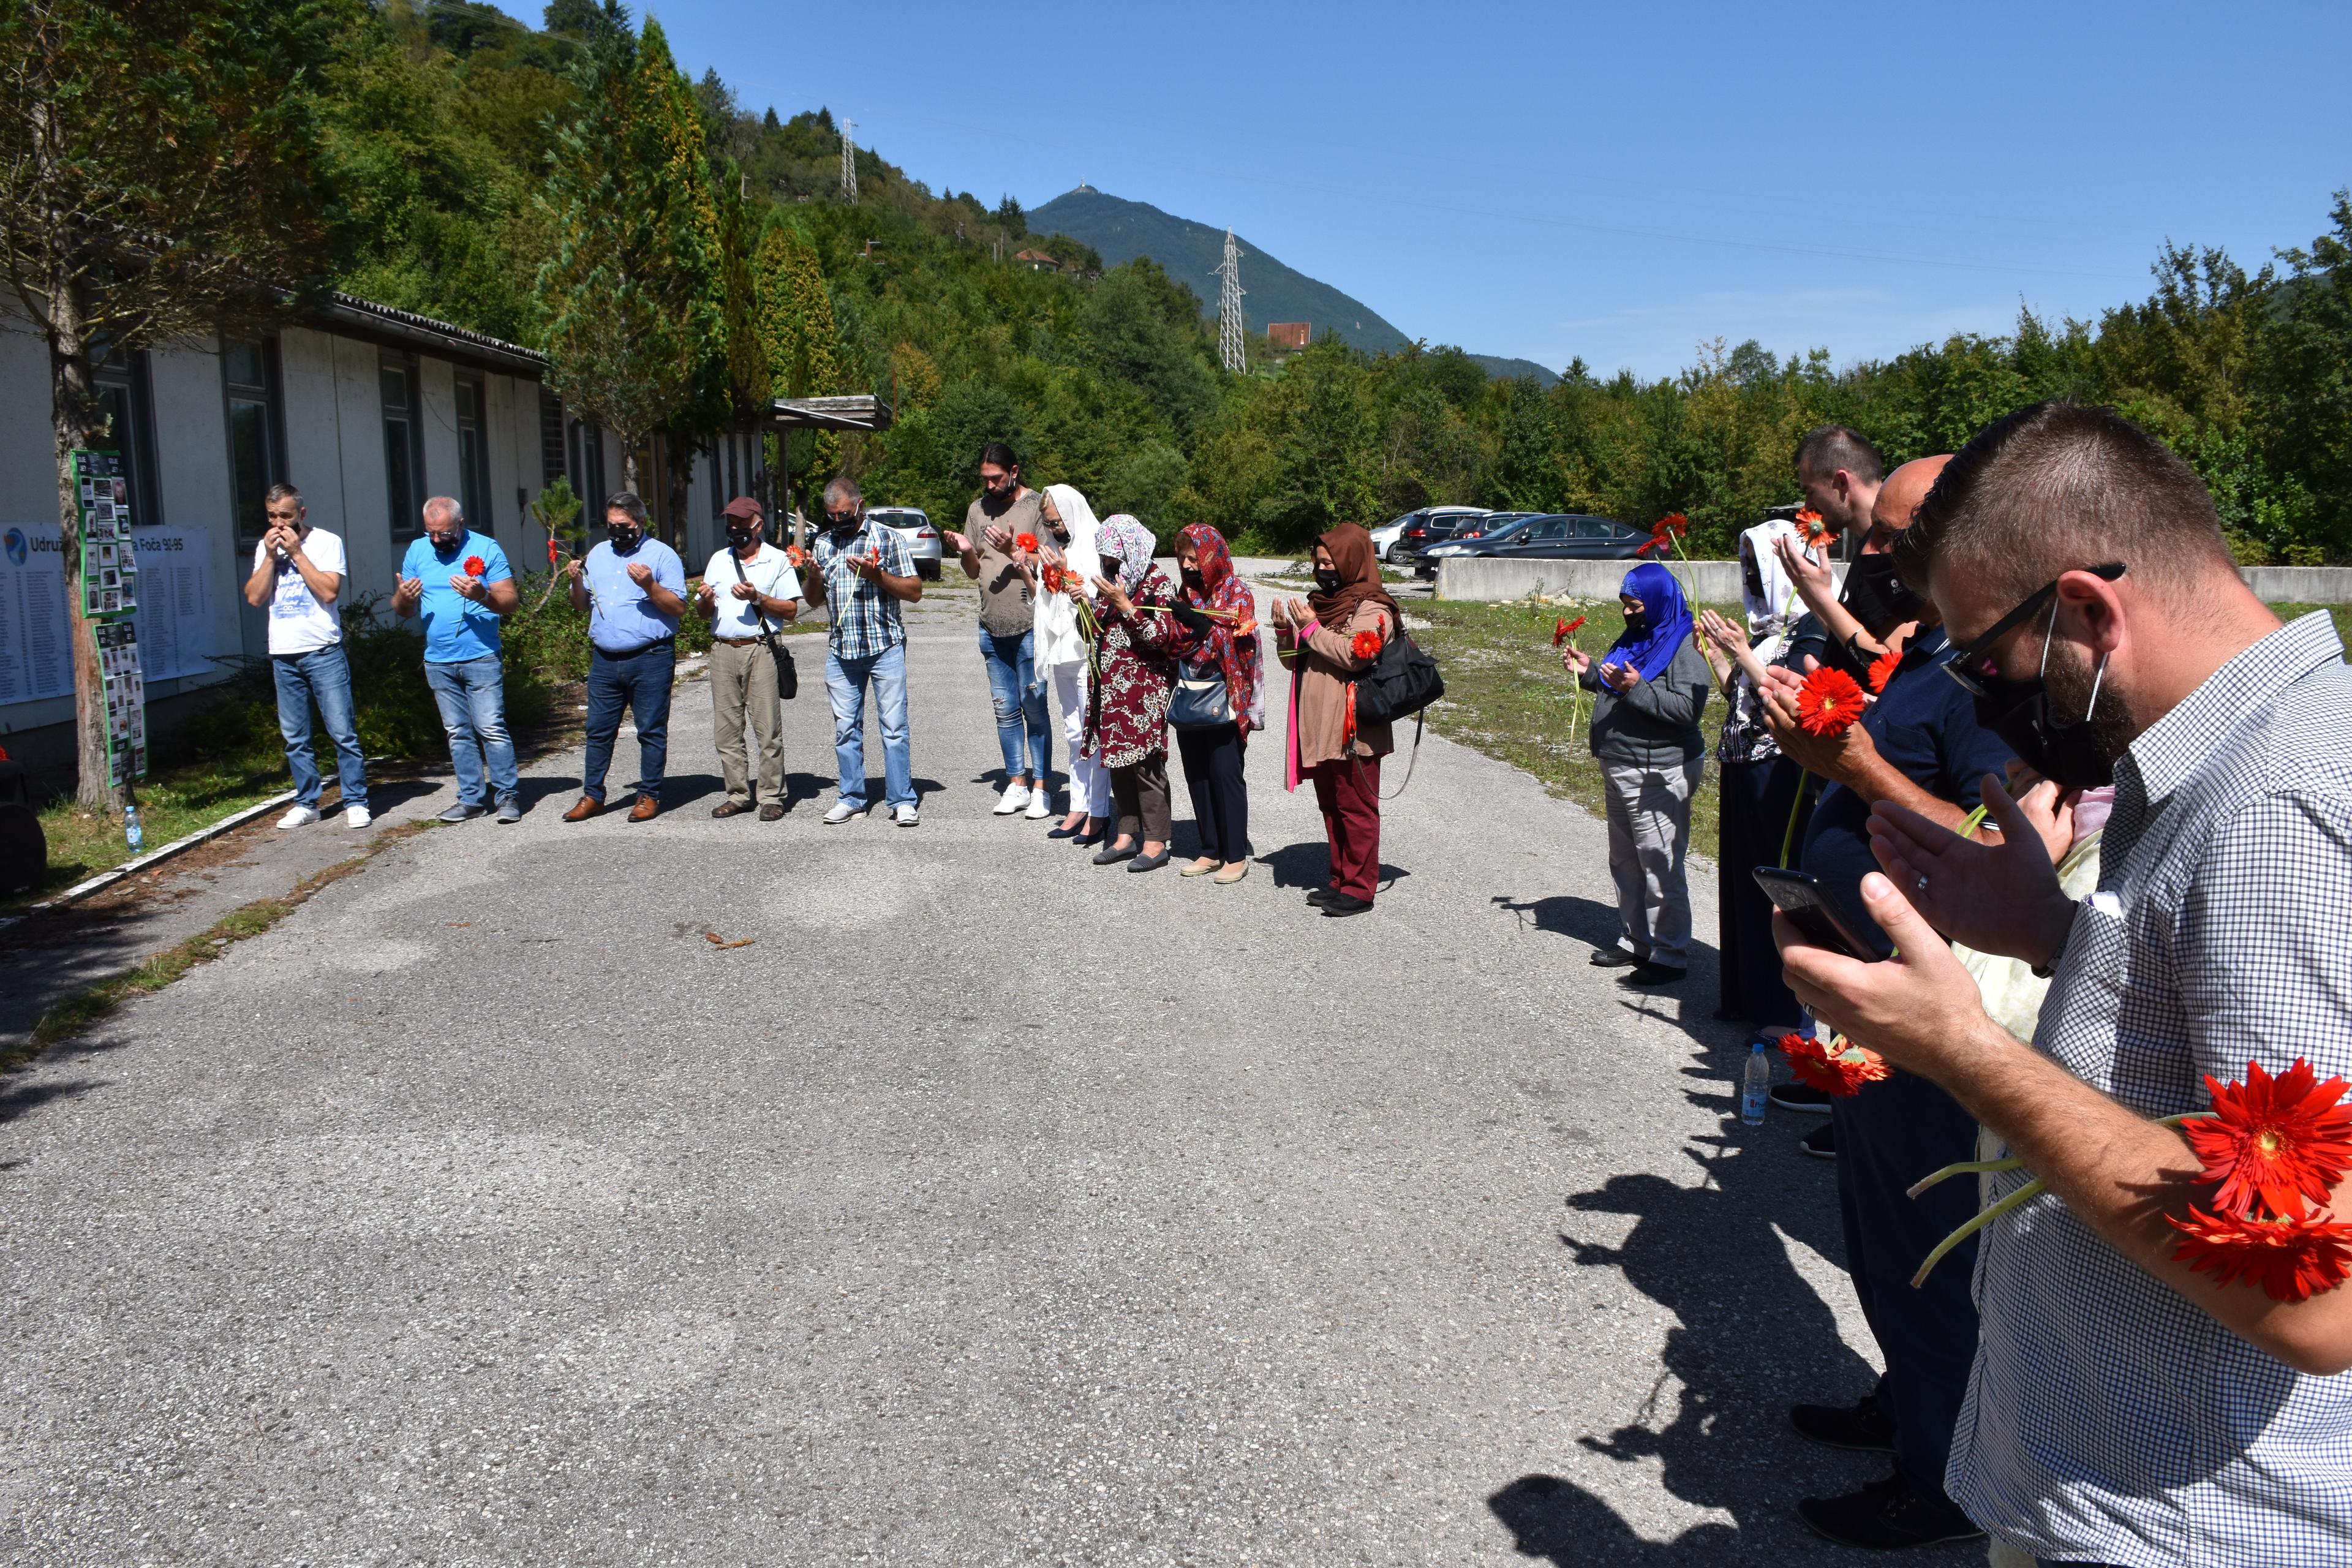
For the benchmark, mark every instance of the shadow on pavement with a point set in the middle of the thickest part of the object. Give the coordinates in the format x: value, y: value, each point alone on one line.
x: 17, y: 1101
x: 1557, y: 1520
x: 1308, y: 865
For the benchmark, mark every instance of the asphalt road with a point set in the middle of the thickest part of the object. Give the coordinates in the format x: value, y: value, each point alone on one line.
x: 987, y: 1207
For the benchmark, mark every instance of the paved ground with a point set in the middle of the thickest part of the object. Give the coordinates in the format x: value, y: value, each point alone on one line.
x: 987, y: 1209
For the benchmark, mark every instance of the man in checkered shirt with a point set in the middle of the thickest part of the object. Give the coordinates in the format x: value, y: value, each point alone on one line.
x: 865, y: 573
x: 2124, y: 1410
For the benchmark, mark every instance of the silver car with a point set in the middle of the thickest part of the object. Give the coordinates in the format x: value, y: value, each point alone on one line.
x: 912, y: 525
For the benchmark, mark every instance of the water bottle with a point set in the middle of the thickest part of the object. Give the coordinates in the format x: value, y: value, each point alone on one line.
x: 131, y: 832
x: 1757, y: 1085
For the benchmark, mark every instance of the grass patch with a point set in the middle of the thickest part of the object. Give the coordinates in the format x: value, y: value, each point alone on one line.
x: 1508, y: 697
x: 66, y: 1019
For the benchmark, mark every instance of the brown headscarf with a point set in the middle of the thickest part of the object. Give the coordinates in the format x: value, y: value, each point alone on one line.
x: 1359, y: 578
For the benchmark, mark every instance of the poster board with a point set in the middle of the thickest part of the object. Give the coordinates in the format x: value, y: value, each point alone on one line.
x: 110, y: 590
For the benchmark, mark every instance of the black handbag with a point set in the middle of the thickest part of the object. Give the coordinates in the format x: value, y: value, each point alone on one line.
x: 1402, y: 682
x: 788, y: 676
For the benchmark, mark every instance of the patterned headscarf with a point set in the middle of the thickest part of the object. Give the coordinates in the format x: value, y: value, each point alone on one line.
x: 1123, y: 537
x: 1222, y: 589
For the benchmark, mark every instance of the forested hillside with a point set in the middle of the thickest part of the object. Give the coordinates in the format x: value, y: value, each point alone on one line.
x: 449, y: 126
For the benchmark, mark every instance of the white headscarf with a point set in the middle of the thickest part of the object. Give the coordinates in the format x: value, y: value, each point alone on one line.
x: 1052, y: 618
x: 1774, y: 611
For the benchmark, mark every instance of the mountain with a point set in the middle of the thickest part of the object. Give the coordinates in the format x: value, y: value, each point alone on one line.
x: 1121, y: 230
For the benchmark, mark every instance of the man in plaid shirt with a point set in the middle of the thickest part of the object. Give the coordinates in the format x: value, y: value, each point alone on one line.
x: 2125, y: 1409
x: 864, y: 574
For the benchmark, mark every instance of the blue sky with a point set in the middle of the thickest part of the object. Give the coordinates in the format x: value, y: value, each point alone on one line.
x: 1621, y: 183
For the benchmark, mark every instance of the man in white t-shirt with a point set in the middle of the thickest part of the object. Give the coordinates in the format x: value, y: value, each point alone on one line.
x: 297, y: 576
x: 749, y: 592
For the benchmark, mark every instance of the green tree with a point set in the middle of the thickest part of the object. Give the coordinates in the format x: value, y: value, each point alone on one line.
x: 161, y: 176
x: 796, y: 337
x: 2302, y: 388
x: 630, y: 294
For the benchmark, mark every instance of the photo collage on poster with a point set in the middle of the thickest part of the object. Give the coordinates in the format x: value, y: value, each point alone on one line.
x: 110, y: 579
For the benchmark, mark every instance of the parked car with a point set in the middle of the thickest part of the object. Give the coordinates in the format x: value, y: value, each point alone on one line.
x: 1555, y: 536
x: 1417, y: 529
x: 911, y: 524
x: 1492, y: 523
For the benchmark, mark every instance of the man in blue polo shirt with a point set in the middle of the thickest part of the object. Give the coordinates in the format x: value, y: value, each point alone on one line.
x: 634, y: 587
x: 459, y: 582
x: 1919, y: 746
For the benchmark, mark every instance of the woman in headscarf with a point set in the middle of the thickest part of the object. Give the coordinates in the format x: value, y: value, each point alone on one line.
x: 1648, y: 693
x: 1216, y: 648
x: 1759, y: 785
x: 1326, y: 641
x: 1061, y: 653
x: 1127, y: 724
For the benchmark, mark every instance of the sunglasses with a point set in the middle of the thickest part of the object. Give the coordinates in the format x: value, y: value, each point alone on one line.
x: 1968, y: 665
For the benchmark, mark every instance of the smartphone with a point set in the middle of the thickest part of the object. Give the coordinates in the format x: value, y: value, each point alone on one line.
x: 1813, y: 910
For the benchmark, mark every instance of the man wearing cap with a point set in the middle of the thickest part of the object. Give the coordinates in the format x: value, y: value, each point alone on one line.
x: 748, y: 590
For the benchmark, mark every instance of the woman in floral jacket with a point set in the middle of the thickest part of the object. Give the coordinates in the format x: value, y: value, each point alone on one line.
x: 1126, y: 724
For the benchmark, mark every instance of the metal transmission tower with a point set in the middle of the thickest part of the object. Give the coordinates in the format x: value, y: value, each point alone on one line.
x: 1229, y: 308
x: 848, y: 162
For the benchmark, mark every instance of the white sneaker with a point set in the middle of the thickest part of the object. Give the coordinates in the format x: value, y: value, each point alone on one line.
x: 842, y: 812
x: 1016, y: 795
x: 905, y: 817
x: 356, y: 817
x: 1040, y: 808
x: 300, y: 817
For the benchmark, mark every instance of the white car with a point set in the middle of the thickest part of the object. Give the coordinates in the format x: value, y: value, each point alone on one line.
x: 1386, y: 535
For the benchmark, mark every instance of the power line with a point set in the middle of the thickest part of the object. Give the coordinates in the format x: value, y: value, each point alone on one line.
x: 1230, y: 347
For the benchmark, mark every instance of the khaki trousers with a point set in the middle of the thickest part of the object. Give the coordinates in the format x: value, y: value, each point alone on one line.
x: 1649, y: 832
x: 743, y: 689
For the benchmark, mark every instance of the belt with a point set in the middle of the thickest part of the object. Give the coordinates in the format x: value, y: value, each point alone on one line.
x: 633, y: 652
x: 739, y: 642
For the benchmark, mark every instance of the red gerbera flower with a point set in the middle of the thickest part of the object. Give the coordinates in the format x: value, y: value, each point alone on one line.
x: 1829, y: 702
x: 2292, y: 1259
x: 1025, y: 541
x: 1563, y: 630
x: 795, y: 557
x: 552, y: 552
x: 1882, y: 669
x: 2283, y: 1139
x: 1056, y: 579
x: 1366, y: 645
x: 1836, y: 1065
x: 1245, y: 627
x: 475, y: 566
x: 1816, y: 528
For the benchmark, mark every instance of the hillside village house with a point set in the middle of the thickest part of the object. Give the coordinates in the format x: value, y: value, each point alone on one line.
x: 367, y: 410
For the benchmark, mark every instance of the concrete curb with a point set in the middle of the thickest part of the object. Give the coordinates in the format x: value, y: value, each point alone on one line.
x: 81, y: 890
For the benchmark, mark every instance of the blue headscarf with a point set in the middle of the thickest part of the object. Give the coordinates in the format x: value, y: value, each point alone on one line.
x: 1669, y: 617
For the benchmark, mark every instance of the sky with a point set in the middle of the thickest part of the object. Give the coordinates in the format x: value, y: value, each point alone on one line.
x: 1622, y: 184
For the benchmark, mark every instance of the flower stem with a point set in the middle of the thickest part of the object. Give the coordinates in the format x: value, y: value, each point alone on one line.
x: 1963, y: 1168
x: 2025, y: 1195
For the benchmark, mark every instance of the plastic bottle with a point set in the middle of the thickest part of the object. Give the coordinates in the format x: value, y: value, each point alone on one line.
x: 131, y: 832
x: 1756, y: 1086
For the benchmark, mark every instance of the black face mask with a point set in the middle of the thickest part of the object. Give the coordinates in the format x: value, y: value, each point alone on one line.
x: 2066, y: 754
x: 1637, y: 625
x: 736, y: 538
x: 1876, y: 595
x: 1195, y: 581
x: 842, y: 522
x: 1329, y: 581
x: 625, y: 540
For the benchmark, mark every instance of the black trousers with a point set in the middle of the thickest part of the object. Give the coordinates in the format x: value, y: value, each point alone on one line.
x: 1213, y: 772
x: 1757, y: 800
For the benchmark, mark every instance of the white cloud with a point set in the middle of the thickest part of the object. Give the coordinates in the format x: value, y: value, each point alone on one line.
x: 1851, y: 324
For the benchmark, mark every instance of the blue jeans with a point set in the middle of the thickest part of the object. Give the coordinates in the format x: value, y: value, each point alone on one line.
x: 1019, y: 695
x: 845, y: 684
x: 472, y: 696
x: 323, y: 675
x: 641, y: 682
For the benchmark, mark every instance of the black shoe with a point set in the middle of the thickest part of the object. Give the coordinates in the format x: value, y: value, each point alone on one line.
x: 1066, y: 832
x: 1339, y: 904
x: 1149, y: 862
x: 1646, y: 974
x: 1821, y: 1142
x: 1861, y: 1427
x: 1802, y: 1097
x: 1108, y: 856
x: 1322, y: 896
x: 1614, y: 958
x: 1086, y: 840
x: 1887, y: 1516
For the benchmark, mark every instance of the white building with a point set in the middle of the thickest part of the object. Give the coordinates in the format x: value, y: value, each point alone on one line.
x: 365, y: 409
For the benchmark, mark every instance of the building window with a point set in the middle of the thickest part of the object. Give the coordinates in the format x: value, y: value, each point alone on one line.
x: 128, y: 407
x: 473, y: 453
x: 257, y: 443
x: 404, y: 447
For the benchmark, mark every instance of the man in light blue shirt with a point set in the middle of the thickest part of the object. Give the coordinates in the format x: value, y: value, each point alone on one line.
x: 459, y: 582
x: 633, y: 588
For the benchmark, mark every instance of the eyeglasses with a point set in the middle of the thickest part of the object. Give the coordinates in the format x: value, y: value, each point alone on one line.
x: 1962, y: 664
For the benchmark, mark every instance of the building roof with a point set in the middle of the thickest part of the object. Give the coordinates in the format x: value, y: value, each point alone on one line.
x: 859, y: 411
x: 1036, y: 257
x: 392, y: 327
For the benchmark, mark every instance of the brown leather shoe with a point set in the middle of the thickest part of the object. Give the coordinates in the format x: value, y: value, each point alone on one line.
x: 731, y: 809
x: 771, y: 812
x: 588, y: 807
x: 646, y: 810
